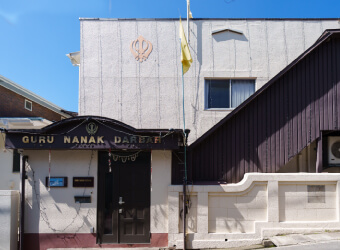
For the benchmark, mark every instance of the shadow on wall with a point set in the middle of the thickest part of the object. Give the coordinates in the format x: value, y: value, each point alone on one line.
x: 53, y: 211
x: 199, y: 54
x: 229, y: 35
x: 237, y: 213
x: 277, y: 124
x: 159, y: 213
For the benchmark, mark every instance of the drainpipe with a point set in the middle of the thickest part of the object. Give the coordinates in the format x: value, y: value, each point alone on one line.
x: 184, y: 213
x: 23, y: 160
x: 319, y: 159
x: 185, y: 139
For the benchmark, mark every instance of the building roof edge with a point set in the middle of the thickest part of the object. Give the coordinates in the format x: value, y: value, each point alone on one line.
x: 8, y: 84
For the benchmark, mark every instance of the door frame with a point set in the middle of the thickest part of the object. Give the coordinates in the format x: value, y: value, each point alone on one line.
x: 103, y: 167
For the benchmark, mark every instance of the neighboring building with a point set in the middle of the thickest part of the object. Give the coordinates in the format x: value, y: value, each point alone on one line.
x: 116, y: 185
x: 21, y: 109
x: 17, y: 101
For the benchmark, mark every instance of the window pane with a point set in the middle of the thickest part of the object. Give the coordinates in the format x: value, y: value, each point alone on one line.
x: 218, y: 94
x: 108, y: 203
x: 16, y: 161
x: 241, y: 90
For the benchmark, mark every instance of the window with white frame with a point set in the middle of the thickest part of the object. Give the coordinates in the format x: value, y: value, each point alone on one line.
x: 28, y: 105
x: 227, y: 93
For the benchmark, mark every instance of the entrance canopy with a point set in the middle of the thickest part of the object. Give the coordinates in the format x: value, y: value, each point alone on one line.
x: 93, y: 132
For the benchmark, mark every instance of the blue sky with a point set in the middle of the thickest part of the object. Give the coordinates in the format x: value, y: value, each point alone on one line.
x: 36, y: 34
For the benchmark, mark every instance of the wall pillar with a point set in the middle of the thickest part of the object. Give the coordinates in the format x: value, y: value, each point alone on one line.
x: 273, y: 201
x: 319, y: 154
x: 202, y: 212
x: 173, y: 212
x: 338, y: 200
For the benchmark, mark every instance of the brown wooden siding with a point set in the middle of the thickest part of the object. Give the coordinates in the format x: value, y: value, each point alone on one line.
x: 276, y: 124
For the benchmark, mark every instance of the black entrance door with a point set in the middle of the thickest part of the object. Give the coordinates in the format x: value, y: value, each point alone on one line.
x: 124, y: 198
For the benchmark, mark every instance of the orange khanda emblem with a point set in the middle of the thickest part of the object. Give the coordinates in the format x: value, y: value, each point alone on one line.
x: 141, y: 49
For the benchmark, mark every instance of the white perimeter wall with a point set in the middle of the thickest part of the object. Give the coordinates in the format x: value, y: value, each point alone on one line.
x: 149, y: 94
x: 259, y: 206
x: 9, y: 206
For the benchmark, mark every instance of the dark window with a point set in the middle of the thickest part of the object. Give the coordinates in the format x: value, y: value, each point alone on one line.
x: 16, y: 161
x: 227, y: 93
x: 28, y: 105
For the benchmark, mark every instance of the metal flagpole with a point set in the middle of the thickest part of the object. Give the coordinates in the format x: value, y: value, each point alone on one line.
x: 185, y: 165
x: 188, y: 14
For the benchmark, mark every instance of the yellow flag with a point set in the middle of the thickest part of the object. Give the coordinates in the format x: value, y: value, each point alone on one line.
x: 189, y: 11
x: 185, y: 52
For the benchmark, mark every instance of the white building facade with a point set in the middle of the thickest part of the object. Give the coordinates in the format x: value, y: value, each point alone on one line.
x: 148, y: 93
x: 130, y: 72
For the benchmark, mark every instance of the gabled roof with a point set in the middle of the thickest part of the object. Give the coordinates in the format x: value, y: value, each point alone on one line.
x: 326, y: 35
x: 8, y: 84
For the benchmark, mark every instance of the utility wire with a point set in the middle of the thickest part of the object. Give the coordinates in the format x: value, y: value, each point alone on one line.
x: 42, y: 208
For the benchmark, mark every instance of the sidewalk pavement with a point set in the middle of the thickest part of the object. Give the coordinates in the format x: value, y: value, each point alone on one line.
x: 305, y: 239
x: 321, y: 240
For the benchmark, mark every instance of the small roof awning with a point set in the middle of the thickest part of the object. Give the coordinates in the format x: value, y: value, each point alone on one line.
x: 23, y: 122
x: 93, y: 132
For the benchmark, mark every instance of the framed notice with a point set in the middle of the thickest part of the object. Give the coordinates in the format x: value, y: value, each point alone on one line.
x: 82, y: 199
x: 83, y: 181
x: 56, y: 182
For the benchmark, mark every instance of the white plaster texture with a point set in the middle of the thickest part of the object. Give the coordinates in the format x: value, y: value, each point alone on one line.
x: 9, y: 206
x: 9, y: 180
x: 149, y: 94
x: 191, y: 217
x: 234, y: 213
x: 296, y: 205
x: 55, y: 210
x: 160, y: 180
x: 250, y: 210
x: 202, y: 211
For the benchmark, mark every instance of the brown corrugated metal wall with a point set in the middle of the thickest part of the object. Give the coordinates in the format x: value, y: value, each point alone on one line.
x: 276, y: 124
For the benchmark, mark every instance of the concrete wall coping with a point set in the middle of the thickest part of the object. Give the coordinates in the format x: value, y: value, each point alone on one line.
x: 256, y: 178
